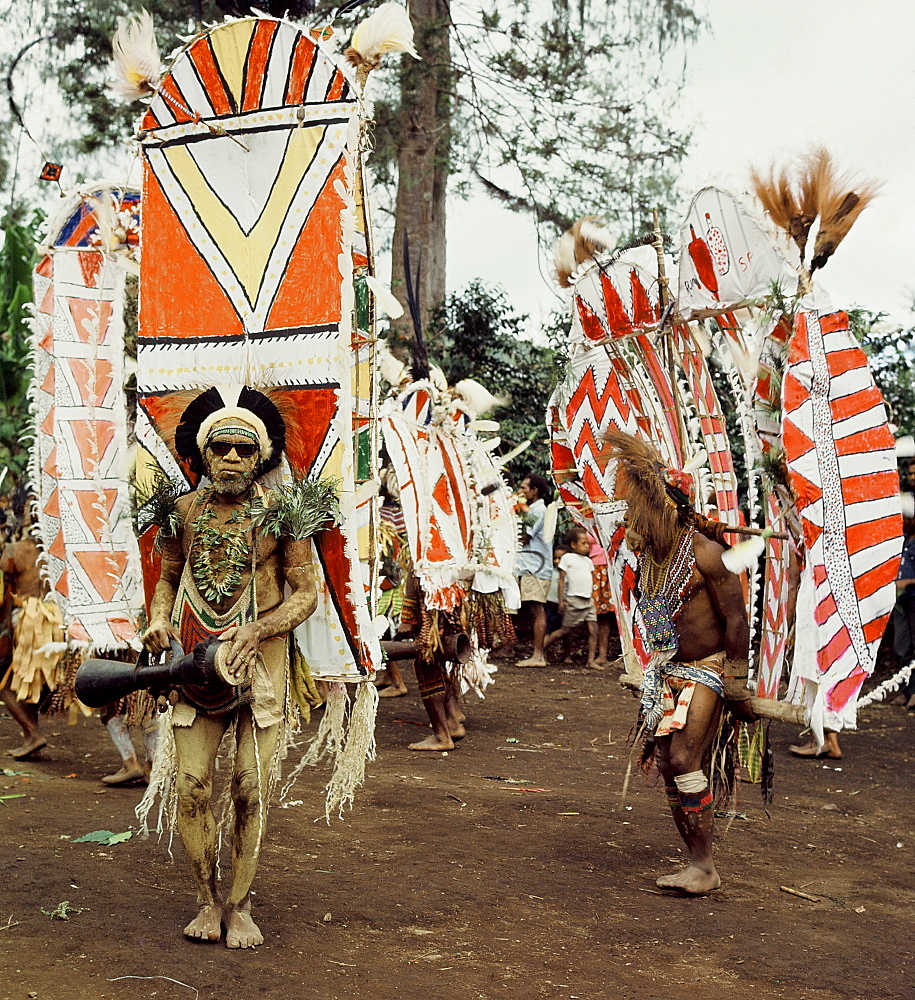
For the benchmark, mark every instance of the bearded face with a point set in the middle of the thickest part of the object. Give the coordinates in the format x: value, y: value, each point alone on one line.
x: 232, y: 459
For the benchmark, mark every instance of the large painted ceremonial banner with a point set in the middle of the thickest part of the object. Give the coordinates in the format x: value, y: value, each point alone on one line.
x: 251, y: 158
x: 80, y: 462
x: 822, y: 482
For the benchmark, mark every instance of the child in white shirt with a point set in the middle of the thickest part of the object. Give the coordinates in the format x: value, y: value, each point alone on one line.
x: 575, y: 587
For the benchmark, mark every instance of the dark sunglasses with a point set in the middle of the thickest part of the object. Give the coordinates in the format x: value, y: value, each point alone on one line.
x: 244, y: 449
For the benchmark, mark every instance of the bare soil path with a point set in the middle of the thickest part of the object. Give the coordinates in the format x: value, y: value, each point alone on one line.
x: 503, y: 869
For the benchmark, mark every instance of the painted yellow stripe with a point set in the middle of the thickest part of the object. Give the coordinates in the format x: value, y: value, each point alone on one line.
x: 247, y: 255
x: 230, y: 47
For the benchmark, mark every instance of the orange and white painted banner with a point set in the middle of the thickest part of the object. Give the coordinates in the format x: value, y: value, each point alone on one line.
x: 250, y: 226
x: 80, y: 461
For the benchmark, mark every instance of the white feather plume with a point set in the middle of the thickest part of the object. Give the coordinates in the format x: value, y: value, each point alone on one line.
x: 564, y: 258
x: 477, y: 398
x: 905, y: 446
x: 550, y: 520
x: 137, y: 66
x: 697, y: 461
x: 744, y: 554
x: 597, y: 234
x: 384, y: 297
x: 392, y: 369
x: 503, y: 460
x: 907, y: 504
x: 389, y: 29
x: 437, y: 378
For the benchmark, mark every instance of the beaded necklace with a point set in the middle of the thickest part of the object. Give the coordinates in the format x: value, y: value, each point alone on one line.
x: 662, y: 587
x: 220, y: 554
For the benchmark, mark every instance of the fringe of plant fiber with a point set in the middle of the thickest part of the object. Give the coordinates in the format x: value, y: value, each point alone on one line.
x: 329, y: 738
x: 349, y: 770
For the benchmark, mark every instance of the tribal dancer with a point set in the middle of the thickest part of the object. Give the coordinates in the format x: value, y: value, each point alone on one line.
x: 38, y: 641
x: 232, y: 548
x: 696, y: 626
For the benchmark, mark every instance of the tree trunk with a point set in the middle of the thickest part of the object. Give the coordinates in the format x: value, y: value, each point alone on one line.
x: 424, y: 135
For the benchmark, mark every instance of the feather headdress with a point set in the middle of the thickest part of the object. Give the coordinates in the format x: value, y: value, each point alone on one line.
x: 392, y: 368
x: 476, y: 398
x: 137, y: 66
x: 580, y: 242
x: 818, y: 192
x: 389, y: 29
x: 652, y: 514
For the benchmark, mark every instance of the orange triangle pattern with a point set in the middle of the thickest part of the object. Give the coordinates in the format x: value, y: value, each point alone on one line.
x: 92, y: 439
x: 47, y: 341
x: 52, y: 507
x: 90, y: 263
x: 104, y: 569
x: 58, y: 547
x: 50, y: 381
x: 90, y: 318
x: 95, y: 519
x: 47, y: 303
x: 93, y: 385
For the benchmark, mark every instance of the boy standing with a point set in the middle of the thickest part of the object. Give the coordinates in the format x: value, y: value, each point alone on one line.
x: 575, y: 586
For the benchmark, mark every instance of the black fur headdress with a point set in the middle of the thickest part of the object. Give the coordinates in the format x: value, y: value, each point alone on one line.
x: 248, y: 403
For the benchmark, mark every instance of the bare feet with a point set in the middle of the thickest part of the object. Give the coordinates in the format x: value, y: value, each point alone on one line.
x: 393, y: 691
x: 207, y: 925
x: 532, y: 661
x: 126, y: 776
x: 433, y: 742
x: 31, y: 746
x: 456, y: 730
x: 692, y: 879
x: 241, y: 930
x: 595, y: 665
x: 829, y: 749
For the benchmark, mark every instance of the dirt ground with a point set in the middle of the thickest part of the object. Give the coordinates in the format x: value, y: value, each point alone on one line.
x: 502, y: 869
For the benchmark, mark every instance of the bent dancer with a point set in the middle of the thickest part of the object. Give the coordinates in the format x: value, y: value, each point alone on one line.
x: 696, y: 626
x: 223, y: 575
x: 38, y: 641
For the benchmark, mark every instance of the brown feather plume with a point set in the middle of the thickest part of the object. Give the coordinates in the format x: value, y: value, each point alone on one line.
x: 580, y: 242
x: 788, y: 208
x: 839, y: 204
x: 818, y: 191
x: 641, y: 483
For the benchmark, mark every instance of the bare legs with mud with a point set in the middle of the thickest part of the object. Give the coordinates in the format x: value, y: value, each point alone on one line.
x: 26, y: 715
x: 682, y: 753
x: 197, y: 746
x: 442, y: 705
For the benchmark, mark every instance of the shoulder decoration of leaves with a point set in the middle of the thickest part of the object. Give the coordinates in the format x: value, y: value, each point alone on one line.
x: 157, y: 505
x: 298, y: 509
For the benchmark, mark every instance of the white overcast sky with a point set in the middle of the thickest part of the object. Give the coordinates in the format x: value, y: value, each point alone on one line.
x: 766, y: 81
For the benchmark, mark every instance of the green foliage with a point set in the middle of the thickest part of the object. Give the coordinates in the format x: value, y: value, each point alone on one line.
x: 299, y: 509
x: 17, y: 258
x: 891, y: 352
x: 477, y: 334
x: 561, y: 109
